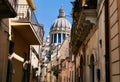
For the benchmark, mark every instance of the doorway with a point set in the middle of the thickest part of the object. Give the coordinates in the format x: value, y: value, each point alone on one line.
x: 92, y: 68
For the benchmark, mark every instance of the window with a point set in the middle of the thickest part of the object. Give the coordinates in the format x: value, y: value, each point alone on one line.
x: 52, y: 38
x: 55, y: 38
x: 92, y: 68
x: 81, y: 69
x: 63, y: 36
x: 59, y: 38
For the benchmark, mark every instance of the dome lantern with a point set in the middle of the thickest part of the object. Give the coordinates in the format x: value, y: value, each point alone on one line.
x: 61, y: 13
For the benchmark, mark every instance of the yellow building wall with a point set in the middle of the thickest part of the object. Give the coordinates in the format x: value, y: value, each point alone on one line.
x: 21, y: 48
x: 4, y: 45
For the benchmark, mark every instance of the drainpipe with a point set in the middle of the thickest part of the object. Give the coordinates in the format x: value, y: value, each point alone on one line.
x: 107, y: 41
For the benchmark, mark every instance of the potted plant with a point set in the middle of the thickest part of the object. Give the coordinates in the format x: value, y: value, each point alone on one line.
x: 91, y: 3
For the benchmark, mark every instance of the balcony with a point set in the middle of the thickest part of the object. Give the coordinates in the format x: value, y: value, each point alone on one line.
x: 27, y: 25
x: 8, y: 8
x: 84, y: 25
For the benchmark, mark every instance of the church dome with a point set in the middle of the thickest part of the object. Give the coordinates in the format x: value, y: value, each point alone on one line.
x: 61, y: 23
x: 60, y: 29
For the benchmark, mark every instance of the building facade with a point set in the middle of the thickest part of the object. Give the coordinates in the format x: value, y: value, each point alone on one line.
x: 66, y: 65
x: 97, y: 57
x: 88, y: 40
x: 114, y: 42
x: 7, y: 10
x: 25, y: 31
x: 17, y: 35
x: 36, y: 64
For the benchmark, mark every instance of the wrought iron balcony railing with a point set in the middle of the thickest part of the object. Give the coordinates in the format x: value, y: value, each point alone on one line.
x: 38, y: 27
x: 26, y: 15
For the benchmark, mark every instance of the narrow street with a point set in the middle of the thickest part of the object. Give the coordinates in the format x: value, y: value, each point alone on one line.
x: 82, y: 44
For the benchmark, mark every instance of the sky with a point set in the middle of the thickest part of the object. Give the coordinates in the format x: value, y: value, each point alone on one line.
x: 48, y: 10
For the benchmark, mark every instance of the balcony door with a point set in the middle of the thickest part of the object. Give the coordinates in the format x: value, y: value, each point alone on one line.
x: 81, y: 69
x: 92, y: 69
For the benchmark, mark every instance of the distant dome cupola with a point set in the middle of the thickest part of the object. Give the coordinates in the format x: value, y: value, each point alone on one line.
x: 61, y: 13
x: 60, y: 28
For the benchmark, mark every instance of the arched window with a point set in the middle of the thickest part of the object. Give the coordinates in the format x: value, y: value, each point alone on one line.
x: 77, y: 74
x: 92, y: 69
x: 81, y: 69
